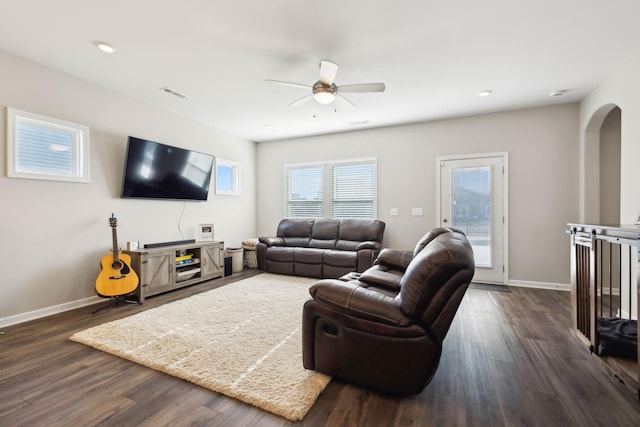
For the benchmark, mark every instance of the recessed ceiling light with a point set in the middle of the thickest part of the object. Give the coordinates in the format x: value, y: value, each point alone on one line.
x: 268, y: 125
x: 105, y: 47
x: 485, y: 93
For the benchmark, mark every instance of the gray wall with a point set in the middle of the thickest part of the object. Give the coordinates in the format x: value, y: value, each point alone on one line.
x: 543, y: 184
x: 54, y: 233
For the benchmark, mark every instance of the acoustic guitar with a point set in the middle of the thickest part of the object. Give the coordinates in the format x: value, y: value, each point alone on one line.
x: 117, y: 277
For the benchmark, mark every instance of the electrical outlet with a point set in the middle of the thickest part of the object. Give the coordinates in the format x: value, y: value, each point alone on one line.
x: 417, y: 212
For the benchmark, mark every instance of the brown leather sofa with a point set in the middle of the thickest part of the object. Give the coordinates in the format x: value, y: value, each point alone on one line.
x: 322, y: 248
x: 385, y: 330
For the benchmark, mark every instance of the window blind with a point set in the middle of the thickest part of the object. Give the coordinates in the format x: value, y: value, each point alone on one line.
x: 353, y: 190
x: 345, y: 189
x: 304, y: 191
x: 45, y: 150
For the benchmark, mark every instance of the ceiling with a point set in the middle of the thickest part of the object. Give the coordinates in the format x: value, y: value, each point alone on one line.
x: 435, y: 57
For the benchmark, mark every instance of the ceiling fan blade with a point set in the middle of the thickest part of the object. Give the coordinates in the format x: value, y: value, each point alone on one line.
x: 344, y: 103
x: 298, y: 85
x: 361, y: 88
x: 328, y: 72
x: 301, y: 100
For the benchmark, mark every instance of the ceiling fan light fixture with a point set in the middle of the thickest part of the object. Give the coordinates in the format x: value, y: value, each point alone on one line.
x: 324, y: 94
x: 324, y: 97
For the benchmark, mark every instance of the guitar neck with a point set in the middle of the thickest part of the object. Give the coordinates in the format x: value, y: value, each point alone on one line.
x: 114, y: 238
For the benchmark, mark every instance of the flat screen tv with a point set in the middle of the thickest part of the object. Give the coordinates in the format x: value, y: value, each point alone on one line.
x: 158, y: 171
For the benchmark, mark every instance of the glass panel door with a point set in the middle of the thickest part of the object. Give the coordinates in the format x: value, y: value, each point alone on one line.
x: 471, y: 198
x: 471, y: 208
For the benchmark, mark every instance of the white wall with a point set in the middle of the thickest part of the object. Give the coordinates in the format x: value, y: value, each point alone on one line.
x: 543, y: 182
x: 54, y: 233
x: 609, y: 169
x: 621, y: 89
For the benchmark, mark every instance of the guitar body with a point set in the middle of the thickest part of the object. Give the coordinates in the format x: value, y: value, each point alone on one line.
x: 117, y: 277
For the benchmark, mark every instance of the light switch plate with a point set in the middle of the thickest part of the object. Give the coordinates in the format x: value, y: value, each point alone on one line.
x: 416, y: 212
x: 393, y: 212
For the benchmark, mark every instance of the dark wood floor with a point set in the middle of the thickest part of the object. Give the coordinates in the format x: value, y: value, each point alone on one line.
x: 509, y: 360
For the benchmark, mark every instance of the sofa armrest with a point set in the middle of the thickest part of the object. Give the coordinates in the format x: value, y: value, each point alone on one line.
x: 394, y: 258
x: 354, y: 300
x: 272, y: 241
x: 368, y: 245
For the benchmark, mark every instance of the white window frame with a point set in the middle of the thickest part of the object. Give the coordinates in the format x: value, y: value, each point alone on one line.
x: 80, y: 147
x: 327, y: 193
x: 235, y: 177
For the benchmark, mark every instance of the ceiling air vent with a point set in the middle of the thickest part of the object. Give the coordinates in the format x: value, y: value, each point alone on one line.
x: 173, y: 92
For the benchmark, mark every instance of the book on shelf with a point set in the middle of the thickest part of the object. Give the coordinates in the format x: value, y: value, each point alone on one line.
x: 184, y: 257
x: 187, y: 261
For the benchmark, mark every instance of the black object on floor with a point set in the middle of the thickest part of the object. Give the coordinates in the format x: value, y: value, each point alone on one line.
x: 618, y: 337
x: 227, y: 266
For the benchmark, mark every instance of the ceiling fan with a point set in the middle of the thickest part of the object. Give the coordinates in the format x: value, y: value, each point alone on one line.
x: 325, y: 91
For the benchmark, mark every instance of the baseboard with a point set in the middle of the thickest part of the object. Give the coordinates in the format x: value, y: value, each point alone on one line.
x: 540, y: 285
x: 47, y: 311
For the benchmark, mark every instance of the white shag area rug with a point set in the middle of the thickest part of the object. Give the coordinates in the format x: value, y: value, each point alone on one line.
x: 243, y: 340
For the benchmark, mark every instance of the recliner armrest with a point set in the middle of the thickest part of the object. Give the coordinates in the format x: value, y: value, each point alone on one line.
x: 379, y: 275
x: 365, y: 303
x: 394, y: 258
x: 272, y: 241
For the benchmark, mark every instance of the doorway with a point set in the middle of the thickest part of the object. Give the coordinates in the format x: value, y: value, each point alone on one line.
x: 472, y: 196
x: 600, y: 186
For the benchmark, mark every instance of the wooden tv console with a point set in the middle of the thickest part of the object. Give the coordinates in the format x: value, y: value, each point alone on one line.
x: 165, y: 268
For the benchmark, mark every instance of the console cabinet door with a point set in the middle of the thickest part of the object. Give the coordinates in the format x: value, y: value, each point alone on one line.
x: 157, y: 272
x: 212, y: 263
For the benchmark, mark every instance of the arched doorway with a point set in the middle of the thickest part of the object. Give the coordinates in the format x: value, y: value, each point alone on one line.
x: 602, y: 166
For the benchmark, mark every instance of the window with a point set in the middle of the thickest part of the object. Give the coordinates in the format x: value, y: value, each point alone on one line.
x: 341, y: 189
x: 227, y: 177
x: 40, y: 147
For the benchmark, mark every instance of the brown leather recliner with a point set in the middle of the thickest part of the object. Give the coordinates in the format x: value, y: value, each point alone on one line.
x: 385, y: 330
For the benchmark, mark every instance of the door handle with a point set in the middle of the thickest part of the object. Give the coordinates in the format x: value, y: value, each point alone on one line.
x: 445, y: 220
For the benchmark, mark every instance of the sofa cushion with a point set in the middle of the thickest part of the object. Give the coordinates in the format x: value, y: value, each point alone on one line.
x: 361, y: 230
x: 277, y: 267
x: 281, y: 254
x: 353, y: 232
x: 290, y: 227
x: 307, y: 270
x: 296, y: 241
x: 322, y: 244
x: 295, y: 232
x: 340, y: 258
x: 308, y: 255
x: 325, y: 229
x: 324, y: 233
x: 331, y: 272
